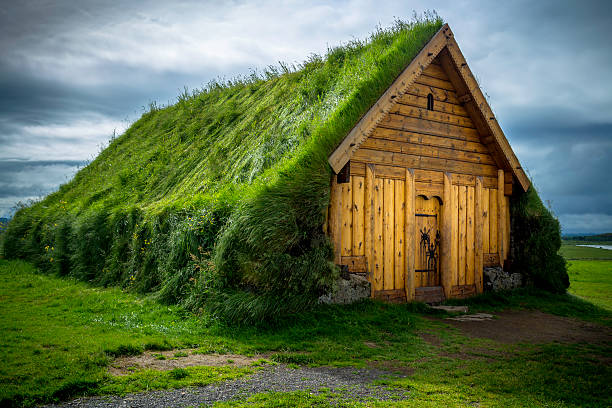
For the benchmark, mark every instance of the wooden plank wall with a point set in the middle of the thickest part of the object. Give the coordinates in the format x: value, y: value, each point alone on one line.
x: 368, y: 218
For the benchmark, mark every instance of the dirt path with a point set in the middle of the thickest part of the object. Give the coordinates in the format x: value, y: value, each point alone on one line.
x: 349, y: 382
x: 506, y: 327
x: 533, y: 327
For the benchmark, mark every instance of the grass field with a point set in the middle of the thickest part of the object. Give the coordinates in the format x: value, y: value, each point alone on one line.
x: 590, y: 271
x: 59, y: 336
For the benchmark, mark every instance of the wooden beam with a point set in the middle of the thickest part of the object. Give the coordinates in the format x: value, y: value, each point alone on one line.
x: 501, y: 216
x: 335, y: 219
x: 370, y: 120
x: 478, y: 230
x: 445, y: 250
x: 369, y: 219
x: 409, y: 239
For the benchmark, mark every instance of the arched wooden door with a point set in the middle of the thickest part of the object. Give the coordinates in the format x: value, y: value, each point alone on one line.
x: 427, y: 242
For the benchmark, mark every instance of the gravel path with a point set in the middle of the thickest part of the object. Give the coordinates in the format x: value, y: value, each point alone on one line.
x: 349, y: 382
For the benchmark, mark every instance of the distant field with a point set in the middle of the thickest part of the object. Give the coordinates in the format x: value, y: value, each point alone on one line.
x: 590, y: 271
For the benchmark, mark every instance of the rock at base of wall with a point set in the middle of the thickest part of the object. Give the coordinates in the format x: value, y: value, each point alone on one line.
x: 349, y: 289
x: 496, y: 279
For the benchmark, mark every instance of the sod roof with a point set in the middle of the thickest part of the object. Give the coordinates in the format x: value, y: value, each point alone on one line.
x: 219, y: 141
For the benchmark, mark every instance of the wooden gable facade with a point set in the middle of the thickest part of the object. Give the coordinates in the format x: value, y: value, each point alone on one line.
x: 420, y: 203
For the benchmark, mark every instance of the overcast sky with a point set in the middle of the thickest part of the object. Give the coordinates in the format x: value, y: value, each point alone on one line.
x: 72, y: 73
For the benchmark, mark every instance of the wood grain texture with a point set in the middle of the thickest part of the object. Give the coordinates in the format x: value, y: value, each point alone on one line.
x: 462, y: 235
x: 438, y: 83
x: 428, y: 127
x: 432, y: 115
x: 378, y: 234
x: 507, y: 229
x: 347, y: 219
x: 485, y: 221
x: 388, y: 233
x: 382, y: 132
x: 439, y: 94
x: 426, y: 151
x: 455, y: 235
x: 335, y: 219
x: 358, y: 215
x: 469, y: 223
x: 491, y: 259
x: 435, y: 71
x: 355, y: 264
x: 493, y: 237
x: 446, y: 235
x: 368, y: 122
x: 420, y: 101
x: 410, y: 235
x: 425, y: 163
x: 478, y: 236
x: 501, y: 215
x: 369, y: 220
x: 400, y: 233
x: 463, y: 291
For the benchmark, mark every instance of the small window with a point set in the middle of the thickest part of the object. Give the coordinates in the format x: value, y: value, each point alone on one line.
x: 430, y: 102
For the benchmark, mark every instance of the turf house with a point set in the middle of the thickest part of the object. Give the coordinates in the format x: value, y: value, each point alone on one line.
x: 249, y: 197
x: 421, y: 201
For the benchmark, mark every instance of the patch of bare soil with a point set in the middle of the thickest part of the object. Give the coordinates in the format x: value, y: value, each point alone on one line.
x: 430, y: 338
x: 169, y: 360
x: 533, y: 327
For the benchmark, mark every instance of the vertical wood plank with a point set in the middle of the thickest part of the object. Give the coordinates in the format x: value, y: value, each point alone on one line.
x: 378, y: 234
x: 335, y: 221
x: 493, y: 221
x: 446, y: 228
x: 507, y: 230
x: 389, y: 238
x: 369, y: 221
x: 469, y: 256
x: 501, y: 216
x: 478, y: 232
x: 347, y: 219
x: 455, y: 234
x: 462, y: 235
x: 409, y: 234
x: 399, y: 231
x: 485, y: 220
x: 358, y: 216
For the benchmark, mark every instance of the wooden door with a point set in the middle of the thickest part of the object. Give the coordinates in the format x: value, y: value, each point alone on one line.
x: 427, y: 242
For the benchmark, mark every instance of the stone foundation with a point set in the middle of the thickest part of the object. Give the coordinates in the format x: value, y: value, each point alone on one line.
x: 496, y: 279
x: 349, y: 289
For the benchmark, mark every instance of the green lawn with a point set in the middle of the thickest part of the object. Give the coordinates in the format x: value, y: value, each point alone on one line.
x: 59, y: 335
x: 590, y: 271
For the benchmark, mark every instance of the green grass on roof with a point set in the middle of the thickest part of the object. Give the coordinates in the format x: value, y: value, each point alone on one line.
x: 224, y: 191
x: 229, y: 135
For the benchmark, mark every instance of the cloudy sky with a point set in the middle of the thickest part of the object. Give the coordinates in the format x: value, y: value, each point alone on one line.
x: 72, y: 73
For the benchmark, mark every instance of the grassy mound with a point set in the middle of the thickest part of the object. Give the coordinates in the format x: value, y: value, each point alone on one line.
x: 536, y: 235
x: 219, y: 199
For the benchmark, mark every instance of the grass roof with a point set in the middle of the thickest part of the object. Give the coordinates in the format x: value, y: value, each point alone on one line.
x: 238, y: 169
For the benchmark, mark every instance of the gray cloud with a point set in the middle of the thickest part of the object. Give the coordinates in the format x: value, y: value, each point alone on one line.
x: 71, y: 73
x: 24, y: 180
